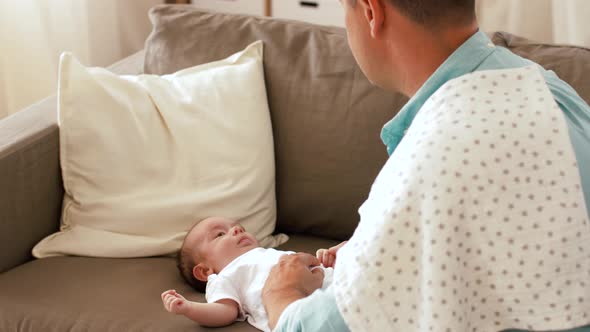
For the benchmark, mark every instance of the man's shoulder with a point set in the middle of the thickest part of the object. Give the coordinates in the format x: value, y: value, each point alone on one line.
x: 489, y: 86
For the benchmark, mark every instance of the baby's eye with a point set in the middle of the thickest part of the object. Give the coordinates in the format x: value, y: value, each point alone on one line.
x: 220, y: 234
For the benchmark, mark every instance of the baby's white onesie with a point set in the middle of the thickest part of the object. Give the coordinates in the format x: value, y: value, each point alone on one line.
x: 242, y: 281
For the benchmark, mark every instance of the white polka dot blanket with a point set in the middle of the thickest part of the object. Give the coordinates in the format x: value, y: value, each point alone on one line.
x: 477, y: 222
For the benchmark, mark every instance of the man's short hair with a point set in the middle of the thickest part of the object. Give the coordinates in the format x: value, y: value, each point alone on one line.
x: 437, y: 13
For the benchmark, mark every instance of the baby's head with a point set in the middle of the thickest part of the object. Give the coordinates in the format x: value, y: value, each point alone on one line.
x: 209, y: 246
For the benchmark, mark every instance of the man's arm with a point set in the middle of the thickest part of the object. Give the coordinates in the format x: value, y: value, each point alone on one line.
x: 276, y: 302
x: 290, y: 280
x: 315, y: 313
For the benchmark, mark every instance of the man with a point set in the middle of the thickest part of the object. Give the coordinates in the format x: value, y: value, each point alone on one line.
x: 418, y: 47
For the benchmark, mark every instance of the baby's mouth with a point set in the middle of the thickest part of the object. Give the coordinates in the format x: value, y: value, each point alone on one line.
x: 244, y: 241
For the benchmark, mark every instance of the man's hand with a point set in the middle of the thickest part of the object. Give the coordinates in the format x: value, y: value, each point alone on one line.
x: 328, y: 256
x: 290, y: 280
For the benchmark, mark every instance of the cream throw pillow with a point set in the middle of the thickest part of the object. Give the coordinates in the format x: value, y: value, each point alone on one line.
x: 144, y: 157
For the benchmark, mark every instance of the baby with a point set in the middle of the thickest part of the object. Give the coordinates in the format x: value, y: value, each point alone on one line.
x: 220, y: 258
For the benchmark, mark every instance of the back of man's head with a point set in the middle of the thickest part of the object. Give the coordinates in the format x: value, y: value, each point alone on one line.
x: 437, y: 13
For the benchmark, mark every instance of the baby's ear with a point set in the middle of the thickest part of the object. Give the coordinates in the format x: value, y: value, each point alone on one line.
x: 201, y: 271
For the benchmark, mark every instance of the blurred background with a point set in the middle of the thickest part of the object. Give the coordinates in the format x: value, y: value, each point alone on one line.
x: 33, y: 33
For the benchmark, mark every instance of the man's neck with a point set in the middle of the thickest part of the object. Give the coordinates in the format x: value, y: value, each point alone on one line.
x: 434, y: 50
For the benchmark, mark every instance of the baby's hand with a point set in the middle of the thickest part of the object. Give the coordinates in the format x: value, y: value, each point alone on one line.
x: 328, y: 256
x: 174, y: 302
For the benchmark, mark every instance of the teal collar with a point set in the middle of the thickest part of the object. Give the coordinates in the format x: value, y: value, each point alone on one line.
x: 464, y: 60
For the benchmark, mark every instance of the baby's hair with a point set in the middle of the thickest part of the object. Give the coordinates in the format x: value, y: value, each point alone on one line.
x: 186, y: 261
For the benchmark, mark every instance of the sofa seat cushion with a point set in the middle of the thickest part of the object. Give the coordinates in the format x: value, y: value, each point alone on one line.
x: 104, y: 294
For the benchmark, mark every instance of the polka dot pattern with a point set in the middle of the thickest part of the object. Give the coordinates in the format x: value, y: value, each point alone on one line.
x: 477, y: 221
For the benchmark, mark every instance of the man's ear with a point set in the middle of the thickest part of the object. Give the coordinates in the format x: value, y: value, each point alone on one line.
x: 374, y: 14
x: 201, y: 271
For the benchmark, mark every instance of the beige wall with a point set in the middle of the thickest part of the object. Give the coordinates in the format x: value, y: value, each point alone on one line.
x: 99, y: 32
x: 557, y: 21
x: 33, y: 33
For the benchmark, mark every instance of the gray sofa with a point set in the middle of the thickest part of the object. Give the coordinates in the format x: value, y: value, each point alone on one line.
x: 326, y: 121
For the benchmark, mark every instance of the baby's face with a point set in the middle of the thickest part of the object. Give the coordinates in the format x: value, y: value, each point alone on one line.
x: 219, y: 241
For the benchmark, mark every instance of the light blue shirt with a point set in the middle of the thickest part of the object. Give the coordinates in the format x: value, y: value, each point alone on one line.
x: 319, y: 312
x: 479, y: 53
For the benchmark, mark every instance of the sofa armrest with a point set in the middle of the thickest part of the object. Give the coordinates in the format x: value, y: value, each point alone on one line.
x: 31, y: 188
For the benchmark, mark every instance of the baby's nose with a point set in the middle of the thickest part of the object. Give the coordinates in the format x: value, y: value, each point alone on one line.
x: 237, y: 230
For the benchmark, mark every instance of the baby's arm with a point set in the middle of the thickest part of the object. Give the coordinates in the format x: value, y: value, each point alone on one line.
x: 220, y: 313
x: 327, y: 257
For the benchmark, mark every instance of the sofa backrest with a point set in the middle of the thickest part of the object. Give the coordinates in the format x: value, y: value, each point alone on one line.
x: 570, y: 63
x: 326, y: 115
